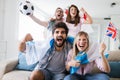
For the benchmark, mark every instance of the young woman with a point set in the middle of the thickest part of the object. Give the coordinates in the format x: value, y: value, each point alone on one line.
x: 81, y: 46
x: 74, y: 21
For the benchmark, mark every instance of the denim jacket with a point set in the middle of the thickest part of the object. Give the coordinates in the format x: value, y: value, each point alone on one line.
x: 49, y: 54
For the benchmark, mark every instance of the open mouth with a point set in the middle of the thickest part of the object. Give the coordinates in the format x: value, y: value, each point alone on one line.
x: 81, y: 46
x: 59, y: 39
x: 58, y: 15
x: 73, y: 13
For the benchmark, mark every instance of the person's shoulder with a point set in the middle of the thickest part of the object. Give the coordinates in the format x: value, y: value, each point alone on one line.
x: 69, y: 46
x: 64, y: 19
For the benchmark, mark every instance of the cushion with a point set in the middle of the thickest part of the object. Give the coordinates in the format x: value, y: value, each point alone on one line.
x: 17, y: 75
x: 22, y: 64
x: 115, y: 70
x: 114, y: 55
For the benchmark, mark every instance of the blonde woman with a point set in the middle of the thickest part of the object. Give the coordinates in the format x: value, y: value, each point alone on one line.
x: 81, y: 46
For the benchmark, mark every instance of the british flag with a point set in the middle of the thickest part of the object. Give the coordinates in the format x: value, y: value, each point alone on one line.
x: 111, y: 31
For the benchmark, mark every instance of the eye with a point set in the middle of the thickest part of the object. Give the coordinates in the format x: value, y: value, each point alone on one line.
x: 63, y: 32
x: 57, y: 32
x: 85, y: 40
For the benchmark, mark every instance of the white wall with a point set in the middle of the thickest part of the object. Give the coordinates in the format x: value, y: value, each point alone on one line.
x: 1, y: 18
x: 9, y: 25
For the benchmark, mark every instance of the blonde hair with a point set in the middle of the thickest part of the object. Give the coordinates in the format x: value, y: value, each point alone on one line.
x: 75, y: 49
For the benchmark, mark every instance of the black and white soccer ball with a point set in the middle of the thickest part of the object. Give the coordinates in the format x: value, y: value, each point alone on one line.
x: 26, y: 8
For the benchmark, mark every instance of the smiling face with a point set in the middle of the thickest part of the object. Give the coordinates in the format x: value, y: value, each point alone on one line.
x: 59, y: 14
x: 73, y: 12
x: 59, y: 37
x: 82, y: 42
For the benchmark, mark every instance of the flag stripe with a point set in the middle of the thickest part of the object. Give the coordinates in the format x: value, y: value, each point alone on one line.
x: 111, y: 31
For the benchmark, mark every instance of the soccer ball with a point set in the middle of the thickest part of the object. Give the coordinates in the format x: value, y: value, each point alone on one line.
x: 26, y: 8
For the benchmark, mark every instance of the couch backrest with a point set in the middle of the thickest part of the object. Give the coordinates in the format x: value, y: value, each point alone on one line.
x: 114, y: 55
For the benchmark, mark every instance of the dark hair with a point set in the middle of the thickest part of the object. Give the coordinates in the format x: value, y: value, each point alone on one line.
x: 60, y: 25
x: 77, y: 17
x: 58, y: 8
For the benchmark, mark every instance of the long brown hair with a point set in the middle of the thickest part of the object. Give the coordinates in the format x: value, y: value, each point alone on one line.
x: 75, y: 49
x: 77, y: 17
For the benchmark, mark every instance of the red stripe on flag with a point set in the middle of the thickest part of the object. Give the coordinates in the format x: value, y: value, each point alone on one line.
x: 113, y: 30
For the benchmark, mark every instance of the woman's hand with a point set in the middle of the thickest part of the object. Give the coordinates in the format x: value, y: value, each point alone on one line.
x: 74, y: 63
x: 82, y: 10
x: 102, y: 47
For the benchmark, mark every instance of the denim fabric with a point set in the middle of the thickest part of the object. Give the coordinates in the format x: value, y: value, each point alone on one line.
x: 22, y: 64
x: 98, y: 76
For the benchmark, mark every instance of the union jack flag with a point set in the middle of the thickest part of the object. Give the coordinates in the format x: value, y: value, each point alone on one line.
x: 111, y: 31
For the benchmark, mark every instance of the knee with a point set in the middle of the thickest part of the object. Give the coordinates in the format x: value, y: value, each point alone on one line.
x: 103, y: 77
x: 36, y: 75
x: 68, y: 77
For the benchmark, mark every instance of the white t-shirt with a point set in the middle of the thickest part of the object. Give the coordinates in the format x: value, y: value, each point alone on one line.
x: 73, y: 30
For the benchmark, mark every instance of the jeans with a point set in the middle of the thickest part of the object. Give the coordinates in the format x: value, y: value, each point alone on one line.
x: 50, y: 76
x: 98, y: 76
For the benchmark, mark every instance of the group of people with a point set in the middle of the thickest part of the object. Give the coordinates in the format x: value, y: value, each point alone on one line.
x: 56, y: 64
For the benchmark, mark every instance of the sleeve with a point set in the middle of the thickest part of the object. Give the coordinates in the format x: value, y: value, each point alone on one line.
x: 69, y: 57
x: 31, y: 54
x: 98, y: 62
x: 82, y: 20
x: 50, y: 25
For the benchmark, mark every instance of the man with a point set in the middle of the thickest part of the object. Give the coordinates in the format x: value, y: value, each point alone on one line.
x: 52, y: 65
x: 49, y: 24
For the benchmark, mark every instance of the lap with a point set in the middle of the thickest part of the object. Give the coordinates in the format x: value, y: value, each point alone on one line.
x: 98, y: 76
x: 58, y: 76
x: 49, y: 75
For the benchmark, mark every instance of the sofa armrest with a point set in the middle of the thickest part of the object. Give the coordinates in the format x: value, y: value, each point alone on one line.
x: 7, y: 66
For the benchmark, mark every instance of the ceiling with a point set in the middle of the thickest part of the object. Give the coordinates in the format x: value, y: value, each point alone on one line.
x: 96, y: 8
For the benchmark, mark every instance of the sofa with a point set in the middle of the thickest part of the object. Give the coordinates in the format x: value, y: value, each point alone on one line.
x: 8, y: 71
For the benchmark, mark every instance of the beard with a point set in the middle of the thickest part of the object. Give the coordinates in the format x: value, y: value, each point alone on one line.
x: 57, y: 44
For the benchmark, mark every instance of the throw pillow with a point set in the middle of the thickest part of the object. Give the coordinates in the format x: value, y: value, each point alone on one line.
x: 22, y: 64
x: 115, y: 70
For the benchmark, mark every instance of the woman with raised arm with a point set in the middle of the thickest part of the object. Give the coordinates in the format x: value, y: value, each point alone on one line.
x: 74, y: 21
x: 78, y: 62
